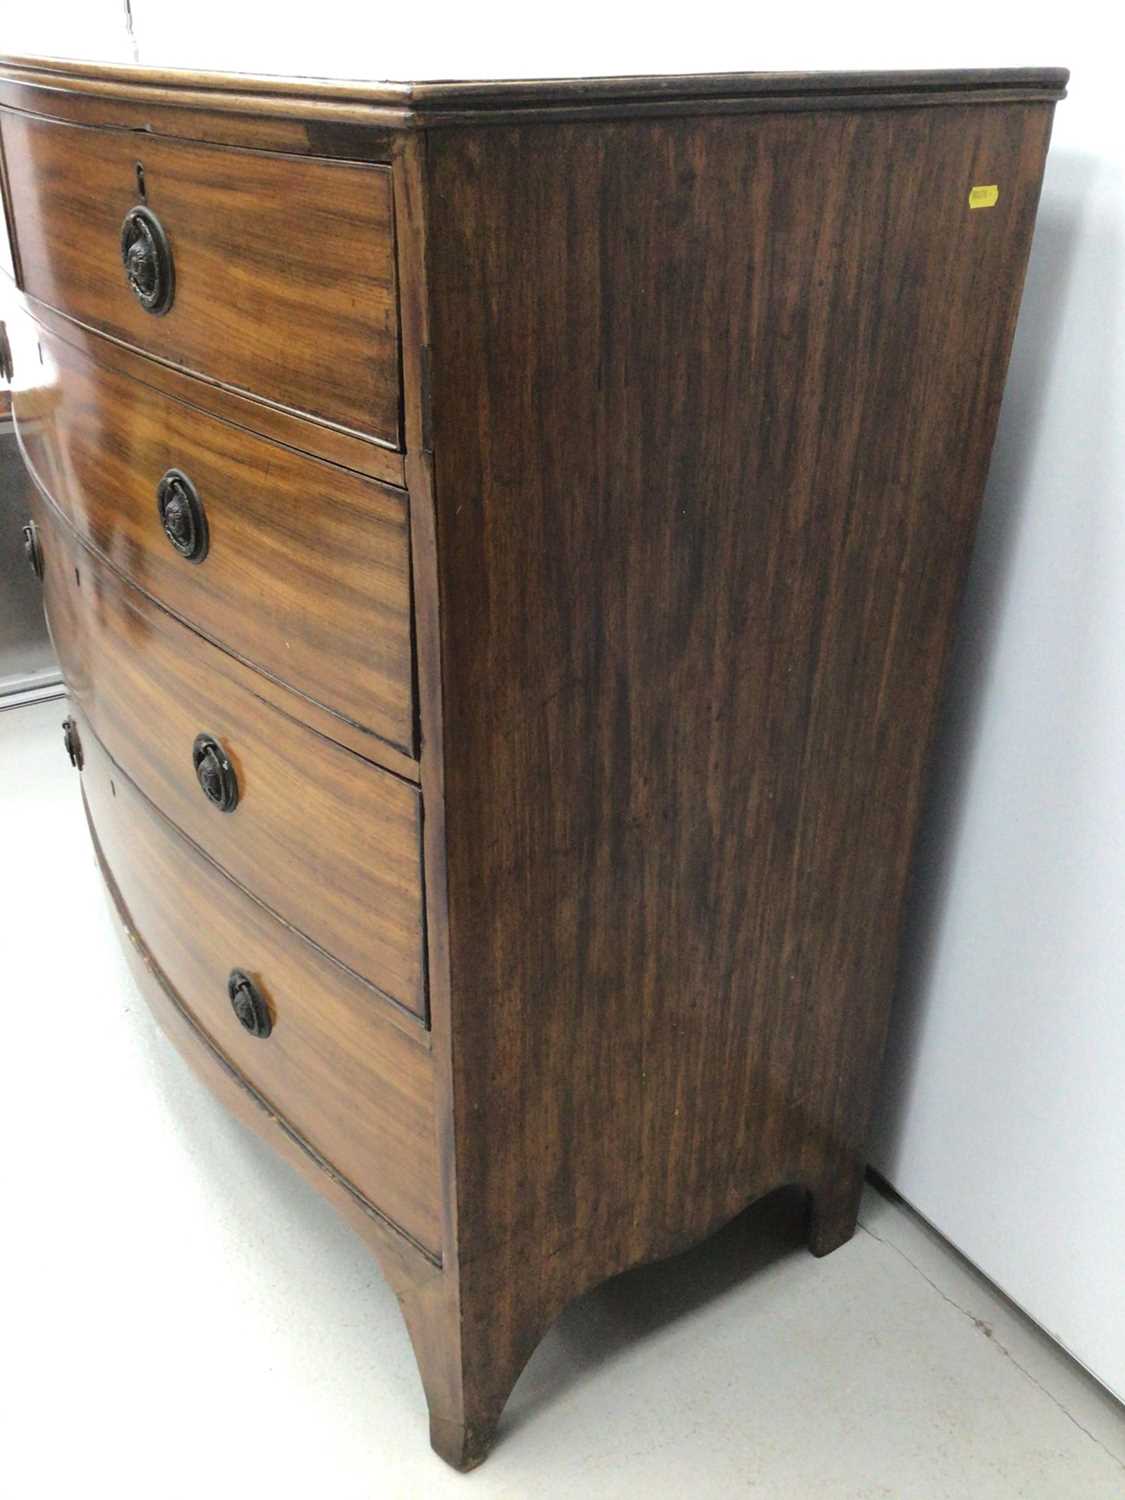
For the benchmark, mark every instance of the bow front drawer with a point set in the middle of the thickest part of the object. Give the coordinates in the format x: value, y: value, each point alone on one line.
x: 327, y: 841
x: 270, y: 274
x: 354, y: 1084
x: 299, y: 567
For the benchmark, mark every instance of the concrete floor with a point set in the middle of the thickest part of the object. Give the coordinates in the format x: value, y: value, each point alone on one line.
x: 185, y: 1318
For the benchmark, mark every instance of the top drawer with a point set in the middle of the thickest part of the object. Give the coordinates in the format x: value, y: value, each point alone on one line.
x: 282, y: 267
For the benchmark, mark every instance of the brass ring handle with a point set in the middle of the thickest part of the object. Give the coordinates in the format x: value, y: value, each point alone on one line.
x: 147, y: 257
x: 182, y: 515
x: 215, y: 773
x: 249, y: 1004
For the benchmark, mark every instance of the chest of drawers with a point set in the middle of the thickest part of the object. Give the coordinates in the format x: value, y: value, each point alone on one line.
x: 503, y: 542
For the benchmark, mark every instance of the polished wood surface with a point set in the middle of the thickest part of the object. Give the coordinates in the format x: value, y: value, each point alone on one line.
x: 284, y: 268
x: 410, y: 1272
x: 411, y: 222
x: 327, y: 841
x: 708, y: 464
x: 354, y: 1083
x: 304, y: 434
x: 339, y: 95
x: 316, y: 128
x: 307, y: 572
x: 699, y: 380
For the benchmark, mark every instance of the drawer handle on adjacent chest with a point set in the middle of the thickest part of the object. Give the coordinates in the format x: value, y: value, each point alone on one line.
x: 32, y: 549
x: 147, y: 256
x: 214, y: 772
x: 248, y: 1004
x: 72, y: 743
x: 182, y: 515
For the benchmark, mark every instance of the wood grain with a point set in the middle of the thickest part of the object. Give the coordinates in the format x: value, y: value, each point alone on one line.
x: 712, y: 410
x: 361, y: 135
x: 413, y: 1275
x: 700, y: 382
x: 284, y: 266
x: 330, y: 843
x: 351, y: 1081
x: 428, y: 102
x: 307, y: 575
x: 348, y: 449
x: 411, y: 220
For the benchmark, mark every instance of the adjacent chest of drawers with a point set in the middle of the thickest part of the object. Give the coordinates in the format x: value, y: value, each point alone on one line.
x: 503, y: 544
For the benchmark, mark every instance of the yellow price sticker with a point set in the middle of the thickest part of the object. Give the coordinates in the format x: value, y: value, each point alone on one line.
x: 983, y: 197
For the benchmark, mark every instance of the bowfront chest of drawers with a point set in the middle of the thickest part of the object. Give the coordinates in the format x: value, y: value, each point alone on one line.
x: 503, y: 543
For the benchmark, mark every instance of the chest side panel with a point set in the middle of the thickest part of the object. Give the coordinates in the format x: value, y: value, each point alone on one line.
x: 713, y: 406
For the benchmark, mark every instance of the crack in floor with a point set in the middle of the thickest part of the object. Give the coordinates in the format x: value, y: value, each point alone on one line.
x: 989, y: 1333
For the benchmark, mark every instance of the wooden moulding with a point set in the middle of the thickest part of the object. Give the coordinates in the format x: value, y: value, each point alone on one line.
x: 349, y: 118
x: 125, y: 81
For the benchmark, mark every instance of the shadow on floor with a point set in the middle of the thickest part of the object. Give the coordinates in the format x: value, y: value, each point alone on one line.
x: 617, y: 1316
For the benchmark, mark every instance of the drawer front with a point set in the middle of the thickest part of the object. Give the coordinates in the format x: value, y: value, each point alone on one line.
x: 326, y: 840
x: 282, y: 277
x: 301, y: 568
x: 343, y: 1073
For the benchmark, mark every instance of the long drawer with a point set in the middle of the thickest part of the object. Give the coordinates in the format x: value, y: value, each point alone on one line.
x: 298, y: 566
x: 328, y: 841
x: 277, y: 271
x: 346, y: 1077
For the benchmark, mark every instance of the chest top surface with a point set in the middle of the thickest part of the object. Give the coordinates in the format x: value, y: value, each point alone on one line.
x: 405, y: 91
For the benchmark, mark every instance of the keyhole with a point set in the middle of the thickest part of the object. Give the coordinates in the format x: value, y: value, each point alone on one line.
x: 141, y: 181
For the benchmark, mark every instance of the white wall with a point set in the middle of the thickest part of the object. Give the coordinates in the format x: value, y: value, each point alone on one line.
x: 70, y: 28
x: 1003, y: 1115
x: 1003, y: 1119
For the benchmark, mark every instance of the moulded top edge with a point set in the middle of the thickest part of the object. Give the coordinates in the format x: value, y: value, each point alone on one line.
x: 435, y: 97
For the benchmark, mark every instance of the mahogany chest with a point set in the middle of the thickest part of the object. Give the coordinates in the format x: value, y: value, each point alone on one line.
x: 503, y: 541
